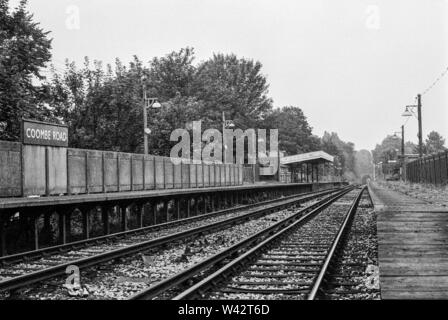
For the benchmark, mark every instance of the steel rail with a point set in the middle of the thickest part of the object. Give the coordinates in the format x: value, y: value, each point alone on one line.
x: 335, y: 245
x: 275, y: 229
x: 47, y: 273
x: 57, y: 249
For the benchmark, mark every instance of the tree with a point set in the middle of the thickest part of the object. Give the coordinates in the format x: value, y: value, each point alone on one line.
x: 25, y: 49
x: 343, y: 152
x: 363, y: 163
x: 102, y: 109
x: 388, y: 149
x: 234, y: 85
x: 173, y: 74
x: 434, y: 143
x: 176, y: 113
x: 295, y: 134
x: 410, y: 147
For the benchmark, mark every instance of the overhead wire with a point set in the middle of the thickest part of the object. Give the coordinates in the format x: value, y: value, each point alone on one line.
x: 435, y: 81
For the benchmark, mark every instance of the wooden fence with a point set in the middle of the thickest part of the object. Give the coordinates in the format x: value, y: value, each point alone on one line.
x: 431, y: 169
x: 27, y: 170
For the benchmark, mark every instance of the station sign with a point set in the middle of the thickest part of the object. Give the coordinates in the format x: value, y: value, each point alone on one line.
x: 44, y: 133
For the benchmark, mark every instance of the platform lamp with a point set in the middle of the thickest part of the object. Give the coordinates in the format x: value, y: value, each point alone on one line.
x: 147, y: 103
x: 408, y: 113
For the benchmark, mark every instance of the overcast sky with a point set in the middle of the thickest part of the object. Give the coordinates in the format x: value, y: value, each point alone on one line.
x: 351, y: 65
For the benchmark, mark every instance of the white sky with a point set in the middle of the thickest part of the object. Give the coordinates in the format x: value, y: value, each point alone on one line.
x: 351, y: 65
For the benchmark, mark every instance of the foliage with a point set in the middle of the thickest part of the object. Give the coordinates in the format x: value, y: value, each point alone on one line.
x: 173, y: 74
x: 388, y: 149
x: 343, y: 152
x: 410, y: 147
x: 103, y: 107
x: 234, y: 85
x: 434, y: 143
x: 178, y: 112
x: 25, y: 49
x: 295, y: 134
x: 363, y: 163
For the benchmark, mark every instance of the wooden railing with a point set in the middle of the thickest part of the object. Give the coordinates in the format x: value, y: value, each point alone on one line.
x: 432, y: 169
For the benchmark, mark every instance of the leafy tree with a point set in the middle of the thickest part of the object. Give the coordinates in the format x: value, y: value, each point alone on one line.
x: 434, y: 143
x: 173, y: 74
x: 344, y: 153
x: 388, y: 149
x: 234, y: 85
x: 176, y: 113
x: 102, y: 109
x: 363, y: 163
x: 295, y: 134
x: 410, y: 147
x: 25, y: 49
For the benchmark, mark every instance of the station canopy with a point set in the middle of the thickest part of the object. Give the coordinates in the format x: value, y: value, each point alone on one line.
x: 316, y: 157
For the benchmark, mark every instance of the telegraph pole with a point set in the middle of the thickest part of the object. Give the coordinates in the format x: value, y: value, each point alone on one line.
x: 419, y: 113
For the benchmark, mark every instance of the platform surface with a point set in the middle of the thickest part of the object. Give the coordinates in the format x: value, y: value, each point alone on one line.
x: 23, y: 202
x: 412, y: 246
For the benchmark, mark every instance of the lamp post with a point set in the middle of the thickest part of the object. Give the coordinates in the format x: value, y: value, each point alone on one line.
x: 407, y: 113
x: 147, y: 103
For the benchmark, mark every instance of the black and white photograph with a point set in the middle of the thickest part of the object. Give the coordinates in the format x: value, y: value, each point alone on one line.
x: 220, y: 158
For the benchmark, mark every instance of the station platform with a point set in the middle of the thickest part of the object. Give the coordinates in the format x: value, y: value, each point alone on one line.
x: 64, y: 200
x: 412, y: 246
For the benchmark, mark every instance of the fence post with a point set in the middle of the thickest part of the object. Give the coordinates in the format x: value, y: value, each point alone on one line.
x: 143, y: 173
x: 69, y: 189
x: 131, y: 170
x: 203, y: 179
x: 103, y: 173
x: 446, y: 166
x: 164, y: 173
x: 436, y: 173
x: 87, y: 172
x: 154, y: 172
x: 118, y: 172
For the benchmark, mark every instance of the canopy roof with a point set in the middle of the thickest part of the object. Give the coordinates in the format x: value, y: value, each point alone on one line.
x: 309, y: 157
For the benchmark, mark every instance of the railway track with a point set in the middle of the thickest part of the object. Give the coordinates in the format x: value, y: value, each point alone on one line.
x: 355, y: 274
x: 53, y: 262
x: 292, y: 264
x: 202, y: 273
x: 77, y: 245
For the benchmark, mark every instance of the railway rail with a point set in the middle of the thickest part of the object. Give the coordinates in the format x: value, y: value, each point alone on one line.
x: 292, y: 263
x: 169, y: 288
x: 355, y: 273
x: 77, y: 245
x: 52, y: 262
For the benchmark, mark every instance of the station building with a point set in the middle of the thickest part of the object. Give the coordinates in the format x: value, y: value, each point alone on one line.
x: 314, y: 166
